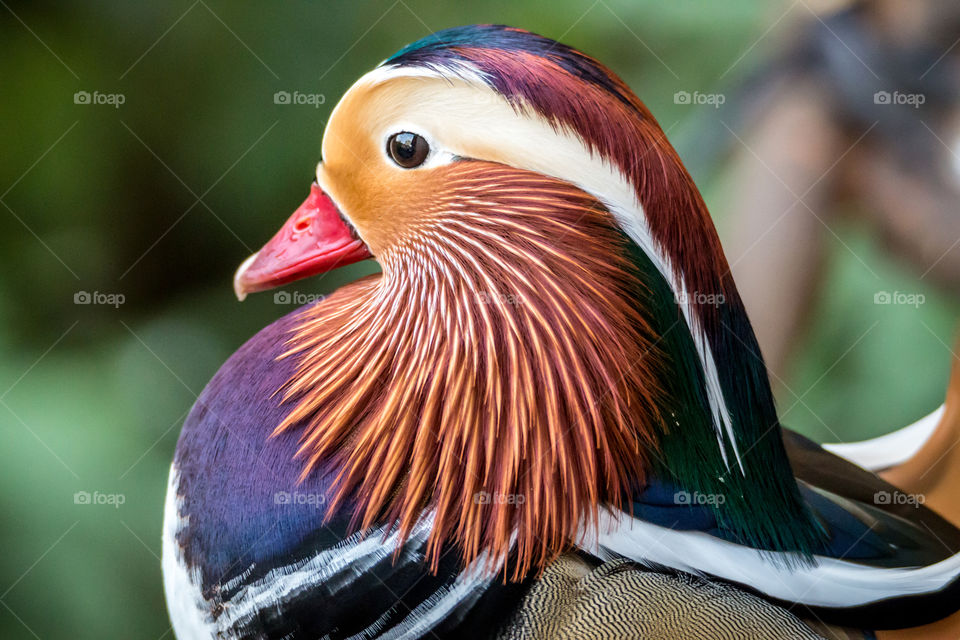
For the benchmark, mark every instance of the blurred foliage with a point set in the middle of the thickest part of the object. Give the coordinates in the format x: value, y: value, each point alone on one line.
x: 161, y: 198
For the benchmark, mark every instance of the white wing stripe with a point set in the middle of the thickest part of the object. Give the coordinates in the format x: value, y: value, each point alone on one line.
x: 827, y: 583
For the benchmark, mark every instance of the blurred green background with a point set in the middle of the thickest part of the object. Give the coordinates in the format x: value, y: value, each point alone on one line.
x: 160, y: 198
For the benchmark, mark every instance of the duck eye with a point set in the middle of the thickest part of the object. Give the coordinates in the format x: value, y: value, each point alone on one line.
x: 408, y: 149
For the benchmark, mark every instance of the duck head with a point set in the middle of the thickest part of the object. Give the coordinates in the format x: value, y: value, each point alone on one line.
x: 555, y: 318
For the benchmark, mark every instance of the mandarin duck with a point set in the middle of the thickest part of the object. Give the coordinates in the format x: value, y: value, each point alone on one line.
x: 546, y: 417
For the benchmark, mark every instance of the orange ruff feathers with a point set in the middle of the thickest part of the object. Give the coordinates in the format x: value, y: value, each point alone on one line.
x: 507, y: 386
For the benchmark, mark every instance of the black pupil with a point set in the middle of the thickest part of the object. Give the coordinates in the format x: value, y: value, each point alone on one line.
x: 408, y: 149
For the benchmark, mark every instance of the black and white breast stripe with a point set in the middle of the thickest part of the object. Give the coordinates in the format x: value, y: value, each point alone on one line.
x: 359, y: 588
